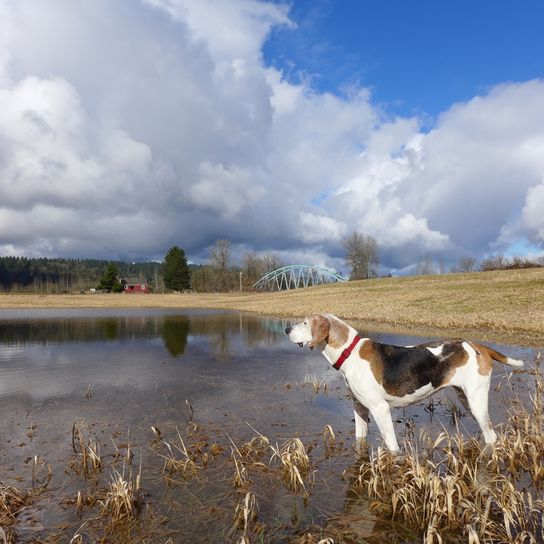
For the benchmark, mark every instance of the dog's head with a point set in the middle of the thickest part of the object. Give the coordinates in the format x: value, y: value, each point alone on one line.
x: 312, y: 331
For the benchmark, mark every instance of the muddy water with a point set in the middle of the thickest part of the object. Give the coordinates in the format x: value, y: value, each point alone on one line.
x: 215, y: 377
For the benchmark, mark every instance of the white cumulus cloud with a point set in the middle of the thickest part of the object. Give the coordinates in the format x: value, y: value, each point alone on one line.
x: 130, y: 126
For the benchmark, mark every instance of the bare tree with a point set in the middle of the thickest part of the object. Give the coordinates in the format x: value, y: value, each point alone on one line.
x: 425, y: 266
x: 497, y: 262
x: 271, y: 261
x: 253, y: 267
x: 361, y: 255
x: 467, y: 264
x: 220, y: 257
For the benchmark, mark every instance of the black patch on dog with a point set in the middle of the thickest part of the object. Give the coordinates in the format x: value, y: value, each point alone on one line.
x: 406, y: 370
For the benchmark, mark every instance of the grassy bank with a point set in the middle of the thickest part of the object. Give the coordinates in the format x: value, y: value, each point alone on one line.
x: 496, y: 304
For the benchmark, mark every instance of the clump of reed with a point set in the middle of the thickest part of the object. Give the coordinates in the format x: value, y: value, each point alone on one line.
x: 184, y: 459
x: 241, y: 477
x: 292, y: 456
x: 87, y: 460
x: 178, y: 459
x: 122, y: 500
x: 331, y: 444
x: 294, y: 462
x: 253, y: 450
x: 446, y: 500
x: 245, y: 517
x: 316, y: 384
x: 455, y: 490
x: 12, y: 500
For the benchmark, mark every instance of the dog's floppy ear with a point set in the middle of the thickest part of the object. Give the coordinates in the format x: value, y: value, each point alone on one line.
x: 320, y: 329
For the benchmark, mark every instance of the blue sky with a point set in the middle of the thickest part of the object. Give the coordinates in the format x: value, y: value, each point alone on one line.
x: 130, y: 126
x: 418, y: 57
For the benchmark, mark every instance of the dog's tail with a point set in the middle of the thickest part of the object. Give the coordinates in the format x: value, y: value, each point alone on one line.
x: 496, y: 356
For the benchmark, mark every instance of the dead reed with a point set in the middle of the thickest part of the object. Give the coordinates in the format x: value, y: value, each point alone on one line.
x: 241, y: 477
x: 295, y: 463
x: 181, y: 459
x: 331, y: 444
x: 245, y: 517
x: 316, y: 384
x: 12, y: 501
x: 122, y: 500
x: 87, y: 460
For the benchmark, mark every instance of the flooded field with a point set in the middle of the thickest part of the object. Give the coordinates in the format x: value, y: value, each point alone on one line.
x: 202, y: 426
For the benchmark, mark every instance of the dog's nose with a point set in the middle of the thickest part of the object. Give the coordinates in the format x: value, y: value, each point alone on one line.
x: 288, y: 330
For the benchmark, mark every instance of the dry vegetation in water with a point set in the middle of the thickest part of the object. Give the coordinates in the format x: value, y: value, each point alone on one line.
x: 445, y: 488
x: 13, y: 500
x: 497, y: 304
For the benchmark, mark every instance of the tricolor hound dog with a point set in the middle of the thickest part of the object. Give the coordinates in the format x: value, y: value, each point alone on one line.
x: 381, y: 376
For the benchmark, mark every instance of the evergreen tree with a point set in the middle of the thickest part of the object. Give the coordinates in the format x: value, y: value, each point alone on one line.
x: 109, y: 280
x: 175, y: 271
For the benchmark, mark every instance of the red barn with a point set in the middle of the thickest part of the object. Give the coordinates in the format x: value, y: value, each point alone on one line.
x: 140, y: 288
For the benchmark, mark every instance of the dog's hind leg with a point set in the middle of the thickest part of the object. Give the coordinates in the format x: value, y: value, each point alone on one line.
x: 477, y: 396
x: 462, y: 398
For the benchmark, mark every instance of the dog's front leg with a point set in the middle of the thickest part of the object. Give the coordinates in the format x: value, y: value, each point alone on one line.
x: 361, y: 419
x: 382, y: 415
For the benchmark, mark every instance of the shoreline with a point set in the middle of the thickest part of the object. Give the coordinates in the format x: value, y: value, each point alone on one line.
x: 494, y: 306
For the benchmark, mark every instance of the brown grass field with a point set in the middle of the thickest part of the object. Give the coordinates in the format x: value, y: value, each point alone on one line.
x: 506, y: 304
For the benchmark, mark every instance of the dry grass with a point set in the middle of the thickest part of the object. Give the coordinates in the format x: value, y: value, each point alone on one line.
x: 245, y: 516
x: 295, y: 464
x: 12, y: 500
x: 122, y: 500
x: 179, y: 459
x: 500, y: 304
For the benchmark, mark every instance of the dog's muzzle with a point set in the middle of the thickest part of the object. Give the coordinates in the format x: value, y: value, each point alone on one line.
x: 288, y: 331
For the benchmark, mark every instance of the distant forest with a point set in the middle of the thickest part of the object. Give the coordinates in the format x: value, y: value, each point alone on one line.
x: 68, y: 275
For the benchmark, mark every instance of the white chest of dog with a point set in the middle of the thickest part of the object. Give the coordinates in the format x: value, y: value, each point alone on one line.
x: 381, y: 376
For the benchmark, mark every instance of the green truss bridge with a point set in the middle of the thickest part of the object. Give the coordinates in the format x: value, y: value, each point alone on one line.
x: 295, y: 276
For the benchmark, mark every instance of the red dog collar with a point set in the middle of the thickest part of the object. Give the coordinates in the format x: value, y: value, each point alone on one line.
x: 347, y: 352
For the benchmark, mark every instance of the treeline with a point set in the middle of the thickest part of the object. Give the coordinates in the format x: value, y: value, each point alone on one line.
x: 471, y: 264
x: 51, y: 275
x: 223, y: 275
x: 68, y: 275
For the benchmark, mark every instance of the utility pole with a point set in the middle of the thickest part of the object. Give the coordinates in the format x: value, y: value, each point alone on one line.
x: 240, y: 281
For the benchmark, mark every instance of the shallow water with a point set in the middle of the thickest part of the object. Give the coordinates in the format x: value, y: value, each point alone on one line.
x: 123, y: 371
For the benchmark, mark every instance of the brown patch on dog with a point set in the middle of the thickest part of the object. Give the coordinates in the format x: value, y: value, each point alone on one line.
x: 484, y: 358
x: 320, y: 329
x: 369, y: 353
x: 338, y: 333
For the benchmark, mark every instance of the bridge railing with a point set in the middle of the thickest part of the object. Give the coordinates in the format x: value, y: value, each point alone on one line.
x: 296, y: 276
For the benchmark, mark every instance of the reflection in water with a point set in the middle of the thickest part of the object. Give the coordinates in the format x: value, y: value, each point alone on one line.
x: 174, y: 333
x: 222, y: 330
